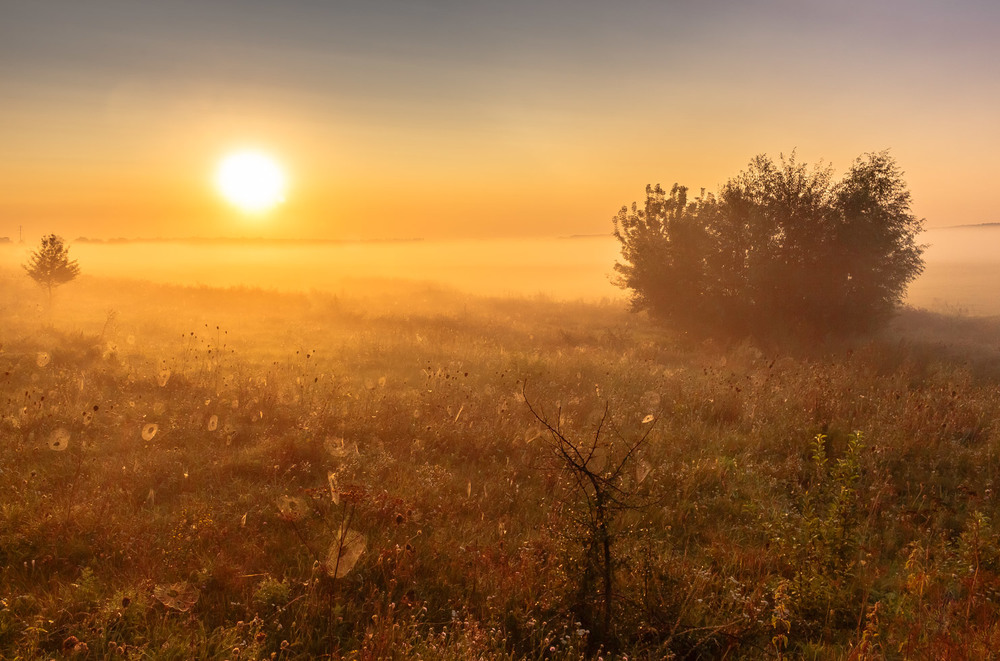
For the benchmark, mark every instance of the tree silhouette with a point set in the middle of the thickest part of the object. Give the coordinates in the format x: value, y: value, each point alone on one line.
x: 50, y: 265
x: 782, y: 250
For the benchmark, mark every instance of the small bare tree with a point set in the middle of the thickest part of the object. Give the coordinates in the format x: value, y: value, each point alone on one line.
x: 50, y: 265
x: 600, y: 468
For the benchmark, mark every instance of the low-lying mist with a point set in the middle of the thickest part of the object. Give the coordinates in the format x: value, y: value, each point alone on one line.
x: 962, y: 266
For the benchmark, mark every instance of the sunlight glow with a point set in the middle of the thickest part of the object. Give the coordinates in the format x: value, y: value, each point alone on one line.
x: 252, y: 181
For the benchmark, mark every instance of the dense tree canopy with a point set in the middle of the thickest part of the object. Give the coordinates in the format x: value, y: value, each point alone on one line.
x: 782, y: 248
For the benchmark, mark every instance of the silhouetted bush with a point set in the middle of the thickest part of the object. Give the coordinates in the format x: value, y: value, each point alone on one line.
x: 782, y: 250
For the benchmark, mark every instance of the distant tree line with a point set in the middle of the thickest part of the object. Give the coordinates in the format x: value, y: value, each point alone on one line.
x: 783, y: 249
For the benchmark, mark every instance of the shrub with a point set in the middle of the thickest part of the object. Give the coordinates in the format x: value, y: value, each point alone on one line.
x: 781, y: 250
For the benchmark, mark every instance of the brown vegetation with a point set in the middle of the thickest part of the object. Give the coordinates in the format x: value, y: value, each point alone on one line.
x: 243, y: 474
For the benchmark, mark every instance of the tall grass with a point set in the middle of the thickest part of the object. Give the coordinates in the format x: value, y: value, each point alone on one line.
x: 836, y: 502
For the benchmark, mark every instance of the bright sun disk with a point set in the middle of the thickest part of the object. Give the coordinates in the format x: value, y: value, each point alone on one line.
x: 252, y: 181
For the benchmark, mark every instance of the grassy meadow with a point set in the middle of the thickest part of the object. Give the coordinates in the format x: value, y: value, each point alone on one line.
x: 403, y: 471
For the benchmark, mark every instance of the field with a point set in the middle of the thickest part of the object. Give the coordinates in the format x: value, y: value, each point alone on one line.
x: 411, y: 472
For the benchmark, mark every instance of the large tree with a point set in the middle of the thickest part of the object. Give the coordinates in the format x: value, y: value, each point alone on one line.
x: 50, y: 265
x: 783, y: 248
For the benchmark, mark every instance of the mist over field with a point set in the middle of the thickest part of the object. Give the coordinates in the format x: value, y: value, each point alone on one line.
x: 212, y: 448
x: 962, y: 266
x: 322, y: 403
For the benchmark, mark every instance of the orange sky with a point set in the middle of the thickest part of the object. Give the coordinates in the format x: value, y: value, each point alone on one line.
x: 436, y: 119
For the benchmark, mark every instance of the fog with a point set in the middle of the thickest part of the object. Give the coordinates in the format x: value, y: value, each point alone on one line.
x: 962, y: 272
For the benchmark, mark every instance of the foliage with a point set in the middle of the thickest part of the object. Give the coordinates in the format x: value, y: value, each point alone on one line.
x: 50, y: 265
x: 403, y: 423
x: 782, y: 249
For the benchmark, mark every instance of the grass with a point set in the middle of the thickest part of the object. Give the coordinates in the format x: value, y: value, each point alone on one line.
x: 360, y: 476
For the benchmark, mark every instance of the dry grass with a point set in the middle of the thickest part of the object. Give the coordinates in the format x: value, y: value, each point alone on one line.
x: 397, y: 415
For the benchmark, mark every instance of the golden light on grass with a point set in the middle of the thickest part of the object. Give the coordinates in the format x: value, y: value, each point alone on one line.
x: 252, y: 181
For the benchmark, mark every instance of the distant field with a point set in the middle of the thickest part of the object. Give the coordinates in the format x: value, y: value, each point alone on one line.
x: 962, y: 274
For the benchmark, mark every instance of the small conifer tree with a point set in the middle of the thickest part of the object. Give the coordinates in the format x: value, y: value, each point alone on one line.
x: 50, y: 265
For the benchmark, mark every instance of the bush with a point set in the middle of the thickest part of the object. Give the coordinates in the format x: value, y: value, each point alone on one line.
x: 782, y: 249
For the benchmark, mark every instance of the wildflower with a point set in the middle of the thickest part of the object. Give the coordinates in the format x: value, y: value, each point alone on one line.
x: 59, y: 439
x: 149, y: 431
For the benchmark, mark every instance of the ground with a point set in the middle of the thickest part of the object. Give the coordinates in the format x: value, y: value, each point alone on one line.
x: 237, y: 473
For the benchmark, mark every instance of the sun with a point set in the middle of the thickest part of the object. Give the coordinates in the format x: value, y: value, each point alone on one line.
x: 251, y: 180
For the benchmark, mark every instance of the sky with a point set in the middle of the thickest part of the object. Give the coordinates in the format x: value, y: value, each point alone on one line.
x: 464, y: 119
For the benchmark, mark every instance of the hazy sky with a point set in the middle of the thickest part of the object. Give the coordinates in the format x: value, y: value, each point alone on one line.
x: 431, y: 118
